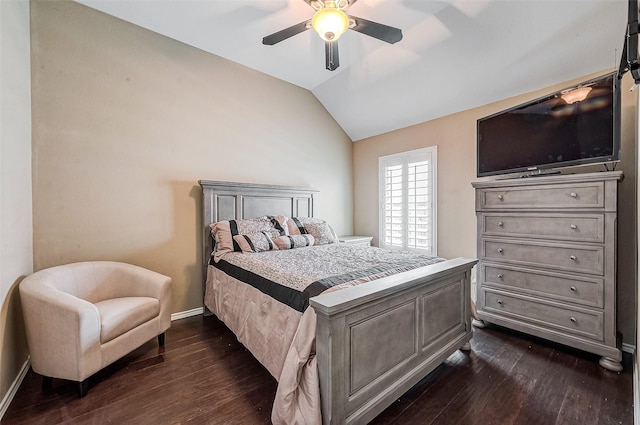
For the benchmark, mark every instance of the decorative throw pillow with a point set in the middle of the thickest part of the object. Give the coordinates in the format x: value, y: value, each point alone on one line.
x: 224, y: 231
x: 293, y: 241
x: 295, y: 226
x: 255, y: 242
x: 279, y: 222
x: 319, y: 229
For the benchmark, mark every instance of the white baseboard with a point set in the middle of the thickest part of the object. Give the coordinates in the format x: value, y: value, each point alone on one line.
x: 13, y: 389
x: 185, y: 314
x: 636, y: 391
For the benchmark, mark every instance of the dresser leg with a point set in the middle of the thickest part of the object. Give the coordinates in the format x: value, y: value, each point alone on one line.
x: 466, y: 346
x: 611, y: 364
x: 478, y: 323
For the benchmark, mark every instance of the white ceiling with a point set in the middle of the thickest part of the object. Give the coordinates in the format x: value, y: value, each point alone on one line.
x: 455, y: 54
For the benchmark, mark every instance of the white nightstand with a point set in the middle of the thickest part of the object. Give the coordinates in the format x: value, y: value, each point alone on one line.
x: 356, y: 240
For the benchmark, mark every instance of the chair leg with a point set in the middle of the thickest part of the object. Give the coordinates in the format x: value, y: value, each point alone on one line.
x: 83, y: 388
x: 161, y: 339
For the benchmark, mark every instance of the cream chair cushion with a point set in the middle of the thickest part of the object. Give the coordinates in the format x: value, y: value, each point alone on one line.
x: 119, y: 315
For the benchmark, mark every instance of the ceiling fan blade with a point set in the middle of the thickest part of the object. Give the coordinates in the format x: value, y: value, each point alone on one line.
x: 332, y: 59
x: 374, y: 29
x: 277, y: 37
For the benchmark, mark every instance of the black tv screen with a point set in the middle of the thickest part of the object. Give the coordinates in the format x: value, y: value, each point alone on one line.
x: 553, y: 131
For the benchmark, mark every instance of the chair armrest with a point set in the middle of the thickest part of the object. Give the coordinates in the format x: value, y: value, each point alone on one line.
x: 63, y: 331
x: 158, y: 286
x: 152, y: 284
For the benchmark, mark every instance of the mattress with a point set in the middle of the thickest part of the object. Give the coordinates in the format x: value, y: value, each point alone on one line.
x: 293, y: 276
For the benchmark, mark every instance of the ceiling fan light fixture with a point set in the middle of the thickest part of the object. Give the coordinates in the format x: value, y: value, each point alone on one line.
x: 330, y: 23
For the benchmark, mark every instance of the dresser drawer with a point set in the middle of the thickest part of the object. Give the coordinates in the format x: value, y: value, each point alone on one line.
x: 580, y: 322
x: 571, y: 258
x: 576, y: 227
x: 562, y: 287
x: 537, y: 197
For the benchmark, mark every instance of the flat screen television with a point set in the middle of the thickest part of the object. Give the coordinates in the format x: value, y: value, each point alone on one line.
x: 559, y: 130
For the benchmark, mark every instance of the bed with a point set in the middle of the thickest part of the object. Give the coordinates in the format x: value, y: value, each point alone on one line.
x: 341, y: 355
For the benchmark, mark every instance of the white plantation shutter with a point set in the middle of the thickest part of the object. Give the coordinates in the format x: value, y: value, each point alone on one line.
x: 407, y: 200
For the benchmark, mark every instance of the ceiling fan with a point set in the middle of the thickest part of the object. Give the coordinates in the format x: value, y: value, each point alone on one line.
x: 330, y: 21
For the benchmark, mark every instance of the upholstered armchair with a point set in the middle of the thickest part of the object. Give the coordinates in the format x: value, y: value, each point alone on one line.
x: 81, y: 317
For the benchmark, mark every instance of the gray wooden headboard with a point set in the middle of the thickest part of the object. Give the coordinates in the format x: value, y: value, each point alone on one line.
x: 235, y: 201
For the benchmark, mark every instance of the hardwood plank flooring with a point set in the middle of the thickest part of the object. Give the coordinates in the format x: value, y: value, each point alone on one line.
x: 203, y: 375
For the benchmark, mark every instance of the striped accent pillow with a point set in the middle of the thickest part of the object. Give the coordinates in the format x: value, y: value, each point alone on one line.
x: 279, y: 223
x: 293, y: 241
x: 295, y: 226
x: 255, y: 242
x: 224, y: 231
x: 319, y: 229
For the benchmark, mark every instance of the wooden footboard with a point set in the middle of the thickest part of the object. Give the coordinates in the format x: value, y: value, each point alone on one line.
x: 376, y: 341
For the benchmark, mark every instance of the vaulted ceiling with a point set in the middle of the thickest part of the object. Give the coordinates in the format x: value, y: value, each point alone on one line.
x: 455, y: 54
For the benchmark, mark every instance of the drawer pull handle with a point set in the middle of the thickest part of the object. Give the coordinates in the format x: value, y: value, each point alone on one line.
x: 500, y: 276
x: 573, y: 258
x: 500, y: 302
x: 573, y: 226
x: 500, y: 224
x: 573, y: 195
x: 500, y: 250
x: 573, y: 319
x: 573, y: 289
x: 500, y: 197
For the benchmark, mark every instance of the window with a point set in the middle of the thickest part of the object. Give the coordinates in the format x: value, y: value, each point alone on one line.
x: 408, y: 200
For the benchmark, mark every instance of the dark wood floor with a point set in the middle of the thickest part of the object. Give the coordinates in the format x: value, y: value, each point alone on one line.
x: 204, y: 376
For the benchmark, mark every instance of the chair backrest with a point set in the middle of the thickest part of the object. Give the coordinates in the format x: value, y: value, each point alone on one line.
x: 91, y: 281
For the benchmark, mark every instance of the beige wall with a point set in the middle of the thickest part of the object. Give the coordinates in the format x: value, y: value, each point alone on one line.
x: 15, y: 187
x: 125, y: 123
x: 455, y: 137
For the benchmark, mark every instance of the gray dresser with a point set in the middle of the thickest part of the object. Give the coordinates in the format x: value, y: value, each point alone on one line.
x: 547, y: 250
